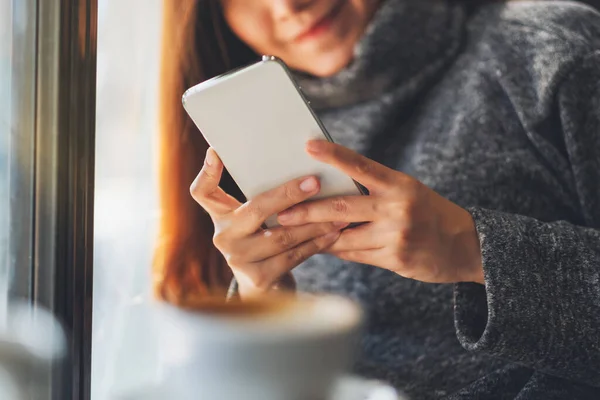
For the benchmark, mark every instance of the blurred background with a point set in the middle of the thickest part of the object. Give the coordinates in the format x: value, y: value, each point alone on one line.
x: 125, y: 209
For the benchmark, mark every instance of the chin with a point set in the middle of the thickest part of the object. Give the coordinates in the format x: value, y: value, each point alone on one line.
x: 329, y: 64
x: 327, y: 70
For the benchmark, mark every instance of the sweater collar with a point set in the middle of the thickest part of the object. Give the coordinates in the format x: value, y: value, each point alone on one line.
x: 405, y: 45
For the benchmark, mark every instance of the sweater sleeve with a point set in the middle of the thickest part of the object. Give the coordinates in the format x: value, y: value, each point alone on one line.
x: 540, y: 306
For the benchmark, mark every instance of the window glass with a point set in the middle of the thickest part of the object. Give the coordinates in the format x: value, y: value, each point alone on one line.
x: 17, y: 117
x: 126, y: 208
x: 5, y: 80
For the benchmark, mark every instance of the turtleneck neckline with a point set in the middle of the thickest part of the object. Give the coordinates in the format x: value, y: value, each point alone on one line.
x: 406, y: 43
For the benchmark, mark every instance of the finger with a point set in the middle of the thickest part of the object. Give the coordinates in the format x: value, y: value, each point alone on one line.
x: 271, y: 242
x: 266, y: 273
x: 205, y: 188
x: 363, y: 170
x: 342, y: 209
x: 252, y: 214
x: 360, y: 238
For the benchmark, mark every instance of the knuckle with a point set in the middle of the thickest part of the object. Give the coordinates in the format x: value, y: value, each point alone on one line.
x: 255, y: 210
x: 381, y: 209
x: 395, y: 186
x: 396, y: 211
x: 198, y: 188
x: 195, y: 190
x: 285, y: 238
x: 289, y: 192
x: 295, y: 256
x: 410, y: 208
x: 336, y: 152
x: 222, y: 240
x: 364, y: 167
x: 404, y: 236
x: 207, y: 175
x: 340, y: 207
x: 219, y: 240
x: 404, y: 210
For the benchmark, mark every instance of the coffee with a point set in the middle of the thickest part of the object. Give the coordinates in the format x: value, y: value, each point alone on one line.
x: 256, y: 307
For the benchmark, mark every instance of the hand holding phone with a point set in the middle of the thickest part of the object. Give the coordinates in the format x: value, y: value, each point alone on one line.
x: 259, y: 258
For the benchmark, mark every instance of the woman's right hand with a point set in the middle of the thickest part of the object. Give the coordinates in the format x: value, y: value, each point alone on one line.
x: 258, y: 258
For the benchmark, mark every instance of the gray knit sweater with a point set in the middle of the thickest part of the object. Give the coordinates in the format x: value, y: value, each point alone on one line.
x: 499, y: 111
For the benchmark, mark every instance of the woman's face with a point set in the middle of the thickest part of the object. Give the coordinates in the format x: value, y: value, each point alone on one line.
x: 315, y: 36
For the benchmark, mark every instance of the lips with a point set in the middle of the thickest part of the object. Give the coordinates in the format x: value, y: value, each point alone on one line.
x: 321, y: 25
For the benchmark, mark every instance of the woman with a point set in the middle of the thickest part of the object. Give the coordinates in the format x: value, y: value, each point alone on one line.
x: 476, y: 129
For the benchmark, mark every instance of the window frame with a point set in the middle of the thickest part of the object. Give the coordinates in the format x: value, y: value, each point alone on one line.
x: 51, y: 189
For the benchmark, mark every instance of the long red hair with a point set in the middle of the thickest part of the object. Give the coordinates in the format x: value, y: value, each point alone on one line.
x: 196, y: 45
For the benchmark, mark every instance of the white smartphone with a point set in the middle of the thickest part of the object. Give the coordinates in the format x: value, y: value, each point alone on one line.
x: 258, y: 121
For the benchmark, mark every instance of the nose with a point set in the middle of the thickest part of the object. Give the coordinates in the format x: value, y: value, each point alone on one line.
x: 283, y: 9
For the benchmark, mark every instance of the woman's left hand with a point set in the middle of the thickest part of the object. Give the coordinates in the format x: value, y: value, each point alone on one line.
x: 408, y: 228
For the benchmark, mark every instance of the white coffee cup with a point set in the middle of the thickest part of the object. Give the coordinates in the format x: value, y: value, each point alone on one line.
x: 277, y: 349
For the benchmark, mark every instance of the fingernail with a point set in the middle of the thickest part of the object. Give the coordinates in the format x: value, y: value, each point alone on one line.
x: 341, y: 225
x: 210, y: 158
x: 309, y: 185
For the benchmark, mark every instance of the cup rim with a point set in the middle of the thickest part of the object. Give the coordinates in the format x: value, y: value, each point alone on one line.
x: 324, y: 315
